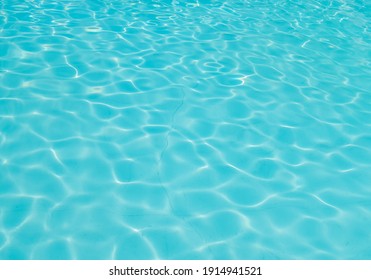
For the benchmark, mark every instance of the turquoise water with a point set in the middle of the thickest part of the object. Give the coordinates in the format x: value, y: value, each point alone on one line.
x: 185, y: 129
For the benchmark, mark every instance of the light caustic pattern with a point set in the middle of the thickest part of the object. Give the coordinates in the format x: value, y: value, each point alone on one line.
x: 185, y: 130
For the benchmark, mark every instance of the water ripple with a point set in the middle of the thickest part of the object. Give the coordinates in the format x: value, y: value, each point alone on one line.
x: 184, y: 130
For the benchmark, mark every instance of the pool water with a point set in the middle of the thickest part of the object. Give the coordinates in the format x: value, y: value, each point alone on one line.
x: 201, y: 129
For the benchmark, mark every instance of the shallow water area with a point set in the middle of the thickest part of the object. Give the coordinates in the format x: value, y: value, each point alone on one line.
x: 185, y: 130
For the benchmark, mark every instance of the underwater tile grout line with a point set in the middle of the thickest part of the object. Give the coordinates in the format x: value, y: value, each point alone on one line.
x: 166, y: 146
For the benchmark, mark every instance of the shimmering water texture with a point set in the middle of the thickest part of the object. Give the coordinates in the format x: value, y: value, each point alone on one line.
x: 185, y: 129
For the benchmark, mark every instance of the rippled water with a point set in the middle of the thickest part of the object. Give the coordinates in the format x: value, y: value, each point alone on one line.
x: 185, y: 129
